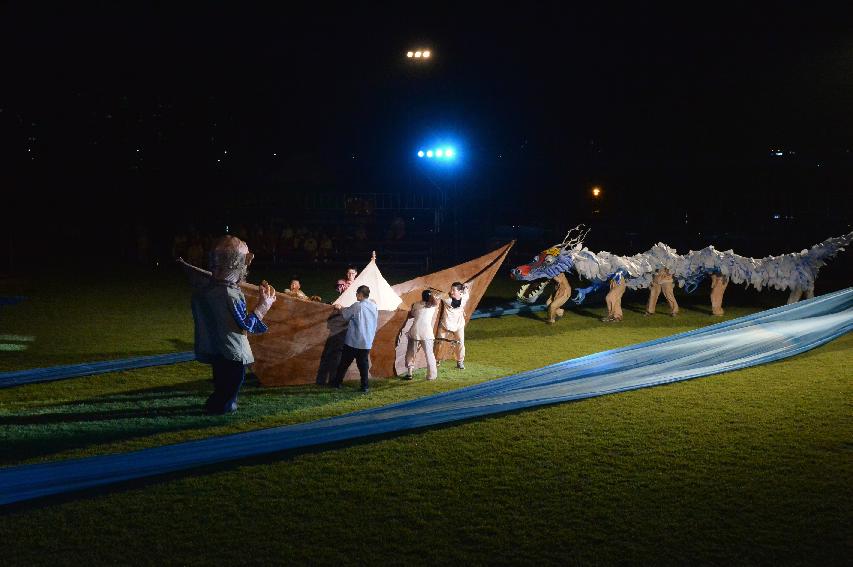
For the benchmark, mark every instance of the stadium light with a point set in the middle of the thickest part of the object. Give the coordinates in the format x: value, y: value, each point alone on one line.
x: 419, y: 54
x: 442, y: 153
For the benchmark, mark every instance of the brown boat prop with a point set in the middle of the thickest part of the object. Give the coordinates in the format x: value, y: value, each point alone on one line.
x: 305, y: 338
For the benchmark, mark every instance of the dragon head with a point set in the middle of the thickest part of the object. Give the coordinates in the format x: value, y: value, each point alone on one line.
x: 548, y: 264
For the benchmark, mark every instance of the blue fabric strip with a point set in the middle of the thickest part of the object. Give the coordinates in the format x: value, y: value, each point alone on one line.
x: 33, y: 375
x: 740, y: 343
x: 513, y: 308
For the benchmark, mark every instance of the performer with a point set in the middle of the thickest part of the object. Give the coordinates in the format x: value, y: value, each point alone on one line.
x: 343, y: 284
x: 421, y: 334
x: 719, y: 283
x: 562, y: 293
x: 295, y: 289
x: 362, y: 316
x: 614, y: 299
x: 797, y: 294
x: 662, y: 281
x: 222, y: 321
x: 452, y: 323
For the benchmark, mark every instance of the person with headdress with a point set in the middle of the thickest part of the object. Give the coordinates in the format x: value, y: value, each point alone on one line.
x: 222, y: 320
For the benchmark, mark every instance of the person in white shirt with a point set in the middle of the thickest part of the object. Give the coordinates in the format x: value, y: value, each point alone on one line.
x: 452, y: 325
x: 421, y: 334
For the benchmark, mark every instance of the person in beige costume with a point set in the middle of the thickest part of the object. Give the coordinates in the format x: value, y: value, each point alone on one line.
x: 719, y: 283
x: 662, y: 281
x: 562, y: 293
x: 451, y: 327
x: 614, y: 299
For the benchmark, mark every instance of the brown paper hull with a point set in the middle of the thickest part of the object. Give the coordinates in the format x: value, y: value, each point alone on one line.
x: 304, y: 340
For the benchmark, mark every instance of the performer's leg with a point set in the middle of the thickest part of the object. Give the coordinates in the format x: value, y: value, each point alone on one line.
x: 362, y: 360
x: 617, y: 301
x: 228, y: 376
x: 562, y: 293
x: 654, y: 293
x: 460, y: 348
x: 795, y: 295
x: 669, y: 294
x: 236, y: 376
x: 608, y: 299
x: 440, y: 347
x: 810, y: 293
x: 411, y: 349
x: 216, y: 401
x: 347, y: 356
x: 432, y: 370
x: 718, y: 288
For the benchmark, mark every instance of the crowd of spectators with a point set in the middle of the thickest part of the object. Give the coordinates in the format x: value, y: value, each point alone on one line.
x: 278, y: 242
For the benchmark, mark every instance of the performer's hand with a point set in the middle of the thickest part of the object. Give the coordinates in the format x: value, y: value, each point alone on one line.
x: 337, y: 306
x: 266, y: 299
x: 268, y: 294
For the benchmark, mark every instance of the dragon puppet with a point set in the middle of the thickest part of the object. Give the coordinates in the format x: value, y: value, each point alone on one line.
x: 794, y: 271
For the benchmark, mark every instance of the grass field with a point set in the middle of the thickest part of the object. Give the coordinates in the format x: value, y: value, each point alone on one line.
x: 748, y: 467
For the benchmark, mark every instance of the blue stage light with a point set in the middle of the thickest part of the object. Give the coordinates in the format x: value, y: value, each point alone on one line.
x: 420, y: 153
x: 448, y: 153
x: 439, y: 152
x: 429, y: 153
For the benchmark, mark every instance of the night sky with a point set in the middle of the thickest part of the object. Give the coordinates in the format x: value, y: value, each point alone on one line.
x: 672, y: 112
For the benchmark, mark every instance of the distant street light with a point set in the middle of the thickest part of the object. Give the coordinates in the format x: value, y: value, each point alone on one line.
x: 596, y: 192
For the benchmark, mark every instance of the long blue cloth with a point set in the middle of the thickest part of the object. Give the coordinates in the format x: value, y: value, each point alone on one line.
x: 513, y: 308
x: 21, y: 377
x: 756, y: 339
x: 35, y: 375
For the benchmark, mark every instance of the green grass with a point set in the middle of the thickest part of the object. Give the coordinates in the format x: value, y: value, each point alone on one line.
x: 748, y: 467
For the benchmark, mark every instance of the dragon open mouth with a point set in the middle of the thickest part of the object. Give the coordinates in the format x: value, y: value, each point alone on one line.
x: 526, y: 295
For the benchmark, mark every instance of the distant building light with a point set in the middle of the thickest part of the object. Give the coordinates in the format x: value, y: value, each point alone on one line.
x: 776, y: 216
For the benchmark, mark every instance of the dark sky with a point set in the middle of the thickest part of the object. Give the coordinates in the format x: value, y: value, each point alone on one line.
x: 549, y: 95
